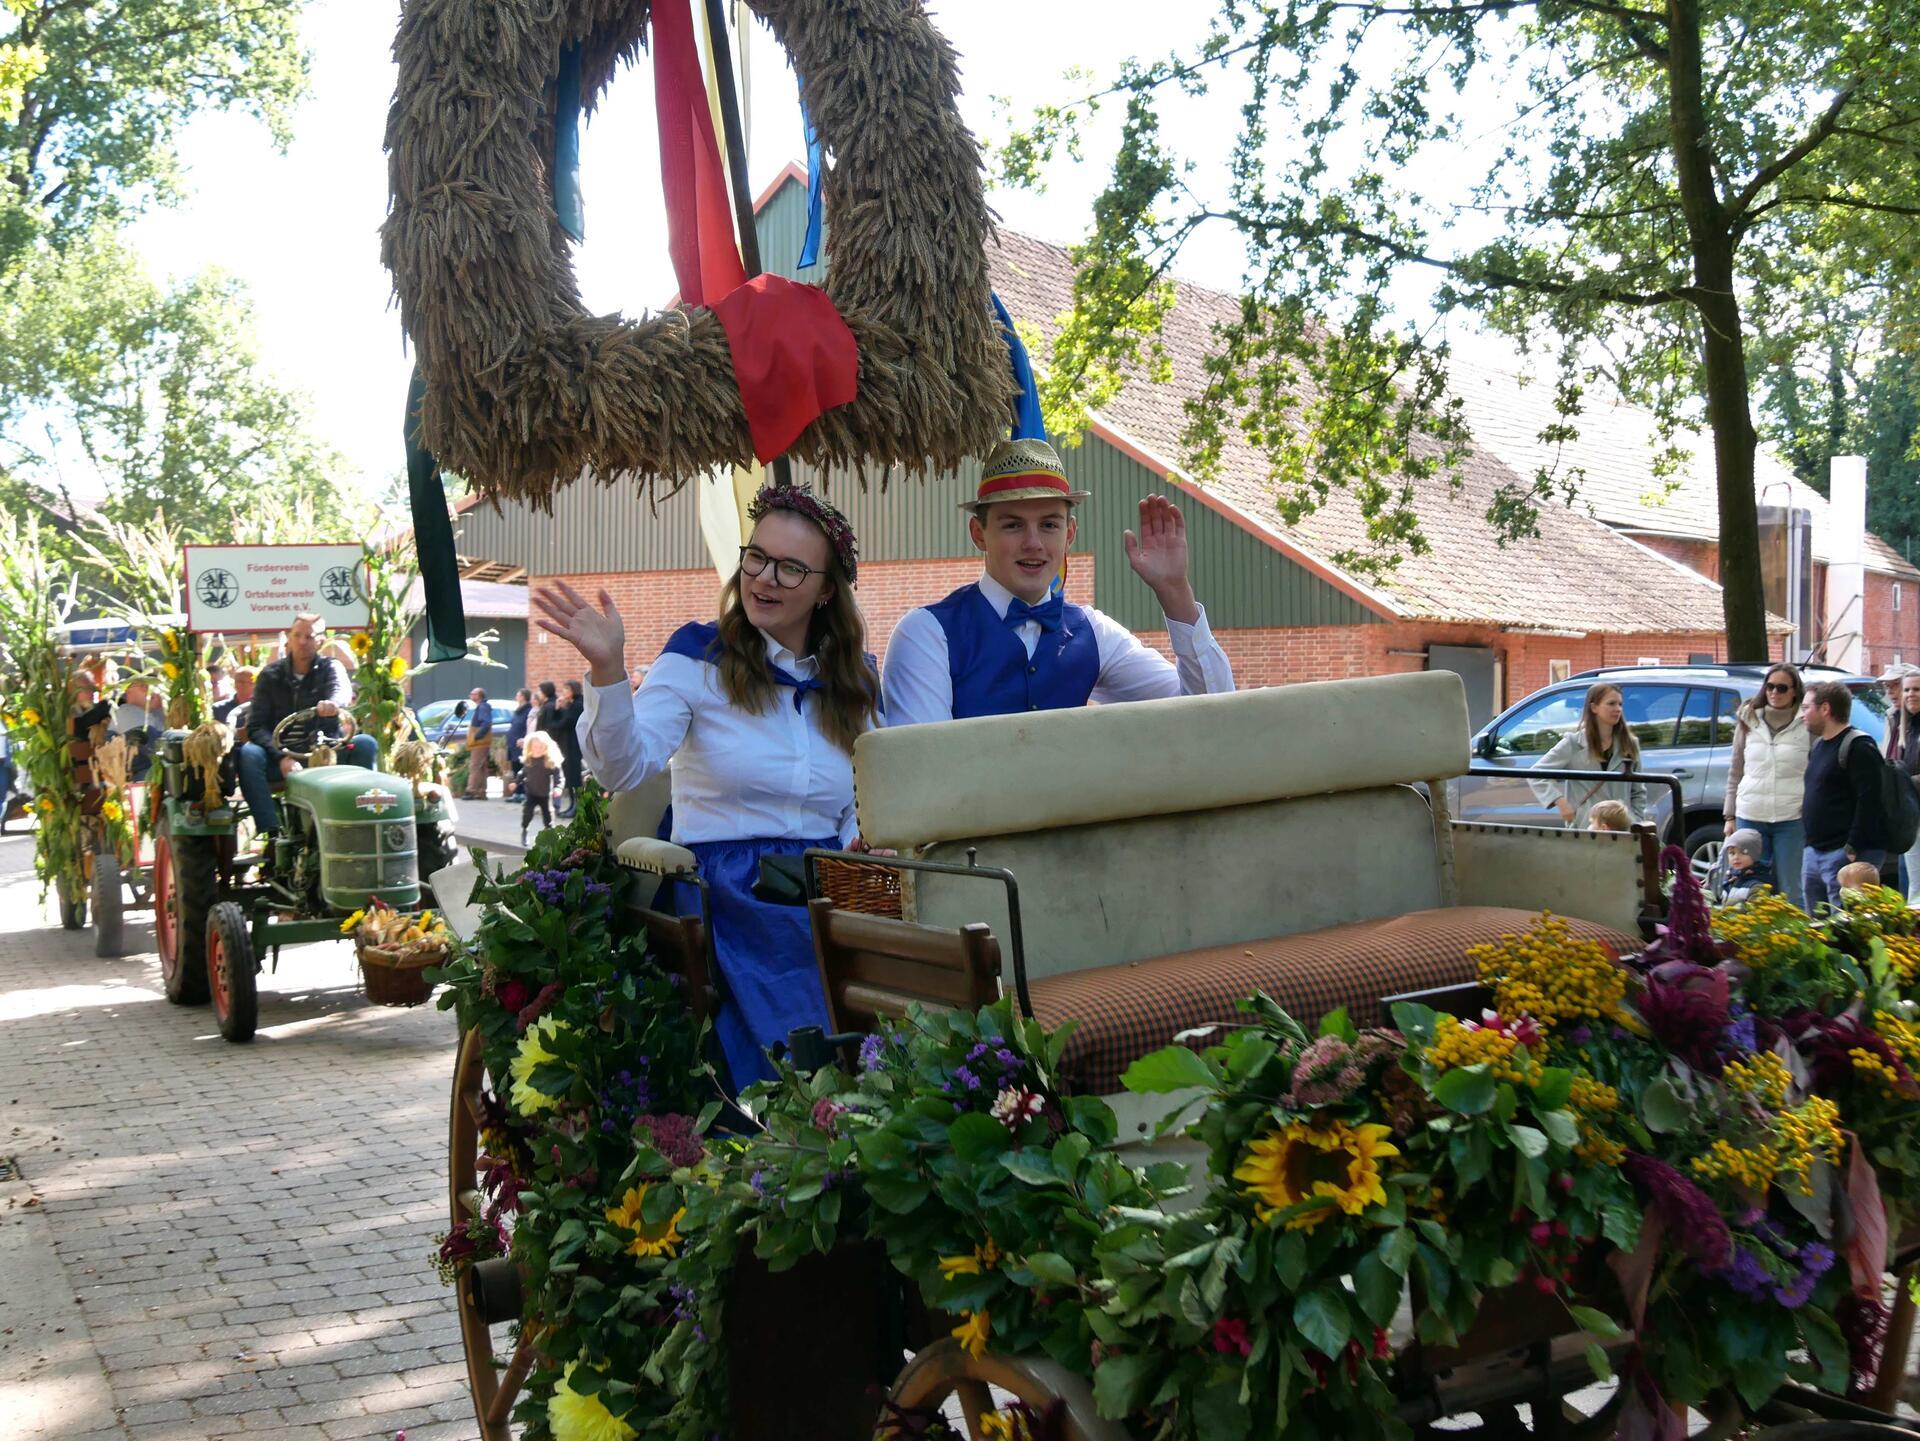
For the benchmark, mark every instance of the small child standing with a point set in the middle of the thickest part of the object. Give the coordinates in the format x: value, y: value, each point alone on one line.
x: 1741, y: 871
x: 1610, y: 816
x: 536, y: 777
x: 1858, y: 876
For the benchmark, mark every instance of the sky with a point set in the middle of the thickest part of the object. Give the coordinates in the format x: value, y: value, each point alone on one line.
x: 301, y: 228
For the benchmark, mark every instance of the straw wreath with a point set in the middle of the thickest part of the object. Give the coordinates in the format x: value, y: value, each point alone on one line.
x: 525, y: 391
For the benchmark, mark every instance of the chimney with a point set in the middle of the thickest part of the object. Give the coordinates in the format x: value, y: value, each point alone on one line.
x: 1846, y: 553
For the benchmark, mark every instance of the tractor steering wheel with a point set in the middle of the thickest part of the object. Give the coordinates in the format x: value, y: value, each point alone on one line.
x: 310, y: 713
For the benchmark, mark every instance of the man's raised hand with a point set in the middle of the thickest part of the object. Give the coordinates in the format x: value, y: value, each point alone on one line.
x: 597, y: 632
x: 1158, y: 555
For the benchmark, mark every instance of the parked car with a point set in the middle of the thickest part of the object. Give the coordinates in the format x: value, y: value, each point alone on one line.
x: 1683, y: 717
x: 435, y: 716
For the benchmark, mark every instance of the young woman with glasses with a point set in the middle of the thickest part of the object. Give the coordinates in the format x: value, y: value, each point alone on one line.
x: 757, y: 714
x: 1766, y: 776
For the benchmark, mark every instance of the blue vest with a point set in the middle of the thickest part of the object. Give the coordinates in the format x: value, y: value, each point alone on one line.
x: 991, y: 672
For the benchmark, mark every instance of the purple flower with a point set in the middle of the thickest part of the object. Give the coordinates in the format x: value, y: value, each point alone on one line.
x: 1748, y: 1274
x: 1689, y: 1213
x: 1741, y: 1035
x: 1685, y: 1006
x: 758, y: 1180
x: 1817, y: 1258
x: 672, y: 1135
x: 966, y: 1078
x: 871, y: 1050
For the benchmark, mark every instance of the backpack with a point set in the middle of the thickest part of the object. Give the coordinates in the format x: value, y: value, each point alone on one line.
x: 1899, y: 801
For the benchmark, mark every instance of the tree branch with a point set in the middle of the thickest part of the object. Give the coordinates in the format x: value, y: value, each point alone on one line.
x: 1792, y: 156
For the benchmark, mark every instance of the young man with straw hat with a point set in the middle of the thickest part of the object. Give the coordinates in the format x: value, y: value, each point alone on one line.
x: 1011, y: 641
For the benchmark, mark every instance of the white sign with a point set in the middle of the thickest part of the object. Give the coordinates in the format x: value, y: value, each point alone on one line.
x: 239, y: 589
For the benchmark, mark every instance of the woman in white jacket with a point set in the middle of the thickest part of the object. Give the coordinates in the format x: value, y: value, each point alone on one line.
x: 1766, y: 777
x: 1604, y: 742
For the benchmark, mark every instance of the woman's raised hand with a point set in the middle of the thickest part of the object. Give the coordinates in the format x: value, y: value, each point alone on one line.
x: 597, y: 632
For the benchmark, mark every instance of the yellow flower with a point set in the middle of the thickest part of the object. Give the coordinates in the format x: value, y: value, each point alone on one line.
x: 1005, y: 1426
x: 170, y: 670
x: 397, y: 668
x: 346, y: 926
x: 984, y: 1258
x: 650, y: 1238
x: 1455, y: 1045
x: 972, y: 1332
x: 1551, y: 975
x: 426, y: 920
x: 46, y: 805
x: 1335, y: 1162
x: 574, y: 1417
x: 361, y: 644
x: 111, y: 810
x: 30, y: 716
x: 1763, y: 1076
x: 530, y: 1056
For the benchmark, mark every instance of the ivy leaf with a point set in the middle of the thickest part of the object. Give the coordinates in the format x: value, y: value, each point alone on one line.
x: 1553, y: 1090
x: 1171, y: 1068
x: 1597, y: 1359
x: 1594, y: 1323
x: 1466, y: 1089
x: 1290, y: 1258
x: 900, y: 1194
x: 1121, y: 1382
x: 1051, y: 1266
x: 1662, y: 1109
x: 976, y: 1136
x: 1396, y: 1250
x: 1528, y: 1141
x: 1035, y: 1168
x: 1337, y: 1023
x: 1322, y: 1319
x: 1560, y: 1127
x: 1376, y: 1288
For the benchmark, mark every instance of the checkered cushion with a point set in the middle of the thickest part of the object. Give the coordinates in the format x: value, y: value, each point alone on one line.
x: 1126, y: 1011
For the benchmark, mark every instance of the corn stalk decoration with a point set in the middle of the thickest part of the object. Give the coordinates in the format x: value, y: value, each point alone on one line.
x: 139, y: 570
x: 36, y: 598
x: 385, y: 673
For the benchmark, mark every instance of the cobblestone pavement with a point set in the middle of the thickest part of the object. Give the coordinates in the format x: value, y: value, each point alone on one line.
x: 205, y: 1239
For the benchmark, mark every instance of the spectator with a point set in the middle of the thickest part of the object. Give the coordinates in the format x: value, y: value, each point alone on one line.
x: 517, y: 736
x: 6, y: 776
x: 302, y: 679
x: 1858, y: 876
x: 1604, y: 742
x: 454, y: 727
x: 1609, y: 816
x: 1841, y: 803
x: 233, y: 711
x: 1741, y: 871
x: 536, y: 786
x: 1903, y: 749
x: 566, y: 718
x: 479, y: 744
x: 138, y: 717
x: 546, y: 707
x: 1766, y: 775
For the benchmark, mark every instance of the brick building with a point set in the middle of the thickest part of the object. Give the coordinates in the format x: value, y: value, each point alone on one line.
x: 1591, y: 589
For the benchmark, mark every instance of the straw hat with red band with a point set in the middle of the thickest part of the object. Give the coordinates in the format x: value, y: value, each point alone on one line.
x: 1023, y: 469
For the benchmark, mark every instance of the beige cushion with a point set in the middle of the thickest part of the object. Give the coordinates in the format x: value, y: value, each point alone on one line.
x: 1001, y: 775
x: 663, y: 858
x: 637, y: 812
x: 452, y: 888
x: 1104, y: 895
x: 1593, y: 875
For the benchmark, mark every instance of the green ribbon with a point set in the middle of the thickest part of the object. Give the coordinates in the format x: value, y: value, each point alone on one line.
x: 433, y: 539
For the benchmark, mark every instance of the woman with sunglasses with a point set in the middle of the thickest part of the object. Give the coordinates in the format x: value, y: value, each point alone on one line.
x: 1767, y: 772
x: 757, y: 714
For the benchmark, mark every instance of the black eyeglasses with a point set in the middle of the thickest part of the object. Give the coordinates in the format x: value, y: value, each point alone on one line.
x: 787, y: 574
x: 1781, y: 687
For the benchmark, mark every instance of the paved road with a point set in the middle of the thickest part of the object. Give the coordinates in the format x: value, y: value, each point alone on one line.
x: 203, y: 1239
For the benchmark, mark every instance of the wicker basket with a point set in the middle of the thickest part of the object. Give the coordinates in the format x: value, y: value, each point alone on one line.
x: 397, y: 975
x: 871, y: 890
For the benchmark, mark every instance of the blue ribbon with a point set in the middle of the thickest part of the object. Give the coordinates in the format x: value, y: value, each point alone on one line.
x: 1046, y: 614
x: 800, y: 687
x: 810, y: 247
x: 567, y: 204
x: 1028, y: 423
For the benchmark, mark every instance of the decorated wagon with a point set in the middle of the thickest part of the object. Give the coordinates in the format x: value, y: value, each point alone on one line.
x: 1416, y: 1156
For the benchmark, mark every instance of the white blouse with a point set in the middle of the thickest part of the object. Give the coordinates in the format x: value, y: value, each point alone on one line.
x: 736, y: 776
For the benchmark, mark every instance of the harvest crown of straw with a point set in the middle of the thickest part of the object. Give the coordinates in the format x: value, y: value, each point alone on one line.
x: 803, y: 502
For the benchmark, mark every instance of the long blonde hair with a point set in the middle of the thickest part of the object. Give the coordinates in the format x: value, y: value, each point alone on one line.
x: 1625, y: 742
x: 836, y: 637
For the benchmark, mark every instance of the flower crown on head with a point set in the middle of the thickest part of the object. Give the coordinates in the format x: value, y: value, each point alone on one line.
x: 802, y: 501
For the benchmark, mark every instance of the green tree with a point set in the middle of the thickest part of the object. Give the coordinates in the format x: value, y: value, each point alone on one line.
x: 1659, y: 171
x: 160, y: 392
x: 93, y: 95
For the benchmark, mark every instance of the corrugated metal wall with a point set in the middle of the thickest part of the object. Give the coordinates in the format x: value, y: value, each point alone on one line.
x: 1243, y: 581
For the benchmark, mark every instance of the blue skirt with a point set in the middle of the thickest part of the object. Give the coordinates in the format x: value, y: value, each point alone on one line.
x: 769, y: 978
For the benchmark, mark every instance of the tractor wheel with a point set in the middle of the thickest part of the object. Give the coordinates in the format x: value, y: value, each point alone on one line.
x: 434, y: 847
x: 73, y: 908
x: 186, y: 879
x: 232, y: 974
x: 494, y: 1390
x: 109, y: 904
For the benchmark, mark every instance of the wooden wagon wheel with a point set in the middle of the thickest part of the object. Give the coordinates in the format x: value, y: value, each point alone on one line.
x: 494, y: 1390
x: 525, y: 391
x: 945, y: 1372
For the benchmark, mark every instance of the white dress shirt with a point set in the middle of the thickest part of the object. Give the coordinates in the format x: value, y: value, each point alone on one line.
x: 918, y: 680
x: 736, y: 776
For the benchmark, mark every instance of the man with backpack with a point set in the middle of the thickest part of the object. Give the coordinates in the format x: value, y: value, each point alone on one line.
x: 1857, y: 806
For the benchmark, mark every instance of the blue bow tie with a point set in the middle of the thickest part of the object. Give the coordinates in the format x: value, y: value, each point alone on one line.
x: 800, y: 687
x: 1046, y: 614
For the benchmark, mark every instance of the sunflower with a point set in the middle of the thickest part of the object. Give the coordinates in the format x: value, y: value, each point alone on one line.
x: 346, y: 926
x: 530, y: 1056
x: 972, y: 1332
x: 30, y: 716
x: 1301, y: 1162
x: 46, y: 805
x: 574, y: 1416
x: 111, y: 810
x: 397, y: 667
x: 650, y: 1238
x: 169, y: 670
x: 361, y: 644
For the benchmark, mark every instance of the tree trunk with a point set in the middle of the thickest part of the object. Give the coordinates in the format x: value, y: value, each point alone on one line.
x: 1723, y: 357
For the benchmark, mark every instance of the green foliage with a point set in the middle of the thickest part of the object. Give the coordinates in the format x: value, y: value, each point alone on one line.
x: 1620, y: 190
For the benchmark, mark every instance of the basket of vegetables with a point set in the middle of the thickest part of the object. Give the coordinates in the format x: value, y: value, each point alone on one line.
x: 396, y: 949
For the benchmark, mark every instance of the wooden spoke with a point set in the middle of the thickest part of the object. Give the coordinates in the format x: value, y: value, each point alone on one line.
x: 976, y: 1401
x: 944, y: 1371
x: 501, y: 1407
x: 484, y: 1378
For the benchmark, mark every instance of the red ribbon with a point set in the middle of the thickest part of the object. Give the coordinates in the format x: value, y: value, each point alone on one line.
x: 700, y: 240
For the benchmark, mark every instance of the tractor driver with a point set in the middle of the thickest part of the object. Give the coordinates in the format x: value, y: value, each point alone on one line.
x: 299, y: 680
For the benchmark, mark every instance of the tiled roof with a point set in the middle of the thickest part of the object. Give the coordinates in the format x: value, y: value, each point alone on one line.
x: 1578, y: 574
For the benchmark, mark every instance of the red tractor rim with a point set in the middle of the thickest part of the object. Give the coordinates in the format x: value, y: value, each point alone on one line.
x: 217, y: 974
x: 165, y: 935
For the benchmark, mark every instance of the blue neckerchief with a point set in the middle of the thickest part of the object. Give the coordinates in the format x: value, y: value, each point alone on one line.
x: 1046, y: 614
x: 800, y: 687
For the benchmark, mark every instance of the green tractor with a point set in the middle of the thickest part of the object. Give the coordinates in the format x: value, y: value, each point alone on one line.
x: 348, y: 837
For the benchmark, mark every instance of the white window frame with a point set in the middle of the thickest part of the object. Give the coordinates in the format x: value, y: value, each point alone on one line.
x: 1896, y: 606
x: 1559, y: 670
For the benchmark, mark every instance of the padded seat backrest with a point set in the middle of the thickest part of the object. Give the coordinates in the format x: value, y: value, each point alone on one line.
x: 1003, y: 775
x: 637, y: 813
x: 1108, y: 894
